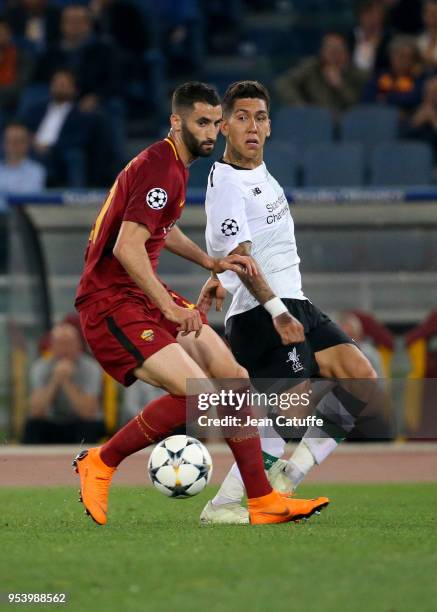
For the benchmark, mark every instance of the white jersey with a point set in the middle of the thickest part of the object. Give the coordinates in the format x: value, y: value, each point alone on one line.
x: 249, y: 205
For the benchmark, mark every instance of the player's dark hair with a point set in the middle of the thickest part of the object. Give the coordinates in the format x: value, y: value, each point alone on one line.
x: 244, y: 89
x: 186, y: 95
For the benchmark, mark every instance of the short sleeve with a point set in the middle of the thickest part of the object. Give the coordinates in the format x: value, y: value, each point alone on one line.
x: 227, y: 225
x: 38, y: 375
x: 149, y: 183
x: 91, y: 377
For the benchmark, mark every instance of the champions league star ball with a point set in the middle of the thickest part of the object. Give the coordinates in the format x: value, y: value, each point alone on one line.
x: 229, y: 227
x: 156, y: 198
x: 180, y: 466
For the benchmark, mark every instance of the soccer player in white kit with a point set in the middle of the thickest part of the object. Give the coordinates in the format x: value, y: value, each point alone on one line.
x: 274, y: 331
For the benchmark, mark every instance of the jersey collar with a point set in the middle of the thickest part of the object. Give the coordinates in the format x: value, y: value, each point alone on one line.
x: 170, y: 141
x: 222, y: 161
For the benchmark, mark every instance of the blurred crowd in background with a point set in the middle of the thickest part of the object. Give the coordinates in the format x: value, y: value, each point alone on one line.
x: 85, y: 85
x: 67, y: 386
x: 82, y: 83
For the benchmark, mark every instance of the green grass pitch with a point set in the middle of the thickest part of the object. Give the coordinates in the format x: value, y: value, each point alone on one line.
x: 374, y: 549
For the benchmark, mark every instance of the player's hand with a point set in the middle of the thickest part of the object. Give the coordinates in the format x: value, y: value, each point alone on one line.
x: 290, y: 329
x: 236, y: 263
x: 211, y: 290
x: 188, y: 319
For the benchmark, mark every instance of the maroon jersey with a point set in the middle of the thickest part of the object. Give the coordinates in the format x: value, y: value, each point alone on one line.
x: 151, y: 191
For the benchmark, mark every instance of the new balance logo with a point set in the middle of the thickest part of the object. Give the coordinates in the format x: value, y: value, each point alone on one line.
x: 256, y: 191
x: 294, y: 359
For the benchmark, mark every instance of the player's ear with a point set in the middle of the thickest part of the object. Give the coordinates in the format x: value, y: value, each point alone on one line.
x: 176, y: 122
x: 224, y: 127
x: 269, y: 131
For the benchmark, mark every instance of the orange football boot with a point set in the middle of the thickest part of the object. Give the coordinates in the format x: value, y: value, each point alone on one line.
x: 95, y: 479
x: 277, y: 508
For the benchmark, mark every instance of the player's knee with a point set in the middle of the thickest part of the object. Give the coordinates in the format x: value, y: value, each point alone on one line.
x: 240, y: 372
x: 230, y: 368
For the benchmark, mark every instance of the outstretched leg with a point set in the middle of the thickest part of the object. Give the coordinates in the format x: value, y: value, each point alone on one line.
x: 170, y: 368
x: 343, y: 362
x: 212, y: 354
x: 355, y: 377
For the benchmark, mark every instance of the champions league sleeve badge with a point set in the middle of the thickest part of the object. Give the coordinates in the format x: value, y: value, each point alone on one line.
x: 156, y: 198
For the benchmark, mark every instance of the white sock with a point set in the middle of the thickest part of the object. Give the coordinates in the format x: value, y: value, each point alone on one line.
x: 316, y: 439
x: 315, y: 446
x: 232, y: 488
x: 299, y: 463
x: 320, y: 447
x: 272, y: 443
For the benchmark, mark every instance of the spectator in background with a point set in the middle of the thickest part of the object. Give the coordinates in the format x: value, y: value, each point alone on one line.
x: 369, y: 39
x: 423, y: 124
x: 352, y: 326
x: 141, y: 65
x: 34, y: 22
x: 404, y: 15
x: 15, y: 70
x: 125, y: 23
x: 65, y: 391
x: 92, y: 59
x: 328, y: 80
x: 136, y: 397
x: 401, y: 85
x: 182, y: 36
x: 72, y: 144
x: 224, y: 26
x: 19, y: 173
x: 427, y: 41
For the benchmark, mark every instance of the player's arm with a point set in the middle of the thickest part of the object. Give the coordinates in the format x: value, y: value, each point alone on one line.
x: 287, y: 326
x: 228, y: 233
x: 179, y: 244
x: 130, y: 252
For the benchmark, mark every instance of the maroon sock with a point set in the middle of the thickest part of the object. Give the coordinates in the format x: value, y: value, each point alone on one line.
x: 247, y: 453
x: 158, y: 419
x: 245, y: 445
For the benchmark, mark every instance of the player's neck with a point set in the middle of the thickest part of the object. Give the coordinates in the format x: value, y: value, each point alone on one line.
x: 232, y: 156
x: 184, y: 154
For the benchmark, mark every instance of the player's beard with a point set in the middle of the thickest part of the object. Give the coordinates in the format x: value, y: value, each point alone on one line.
x: 193, y: 145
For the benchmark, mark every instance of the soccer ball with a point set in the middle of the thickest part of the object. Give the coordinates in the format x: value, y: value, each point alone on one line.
x: 180, y: 466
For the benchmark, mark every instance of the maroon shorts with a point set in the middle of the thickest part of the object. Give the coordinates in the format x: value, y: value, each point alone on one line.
x: 123, y: 331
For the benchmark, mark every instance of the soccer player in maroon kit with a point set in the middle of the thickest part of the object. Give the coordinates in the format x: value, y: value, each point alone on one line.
x: 137, y: 328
